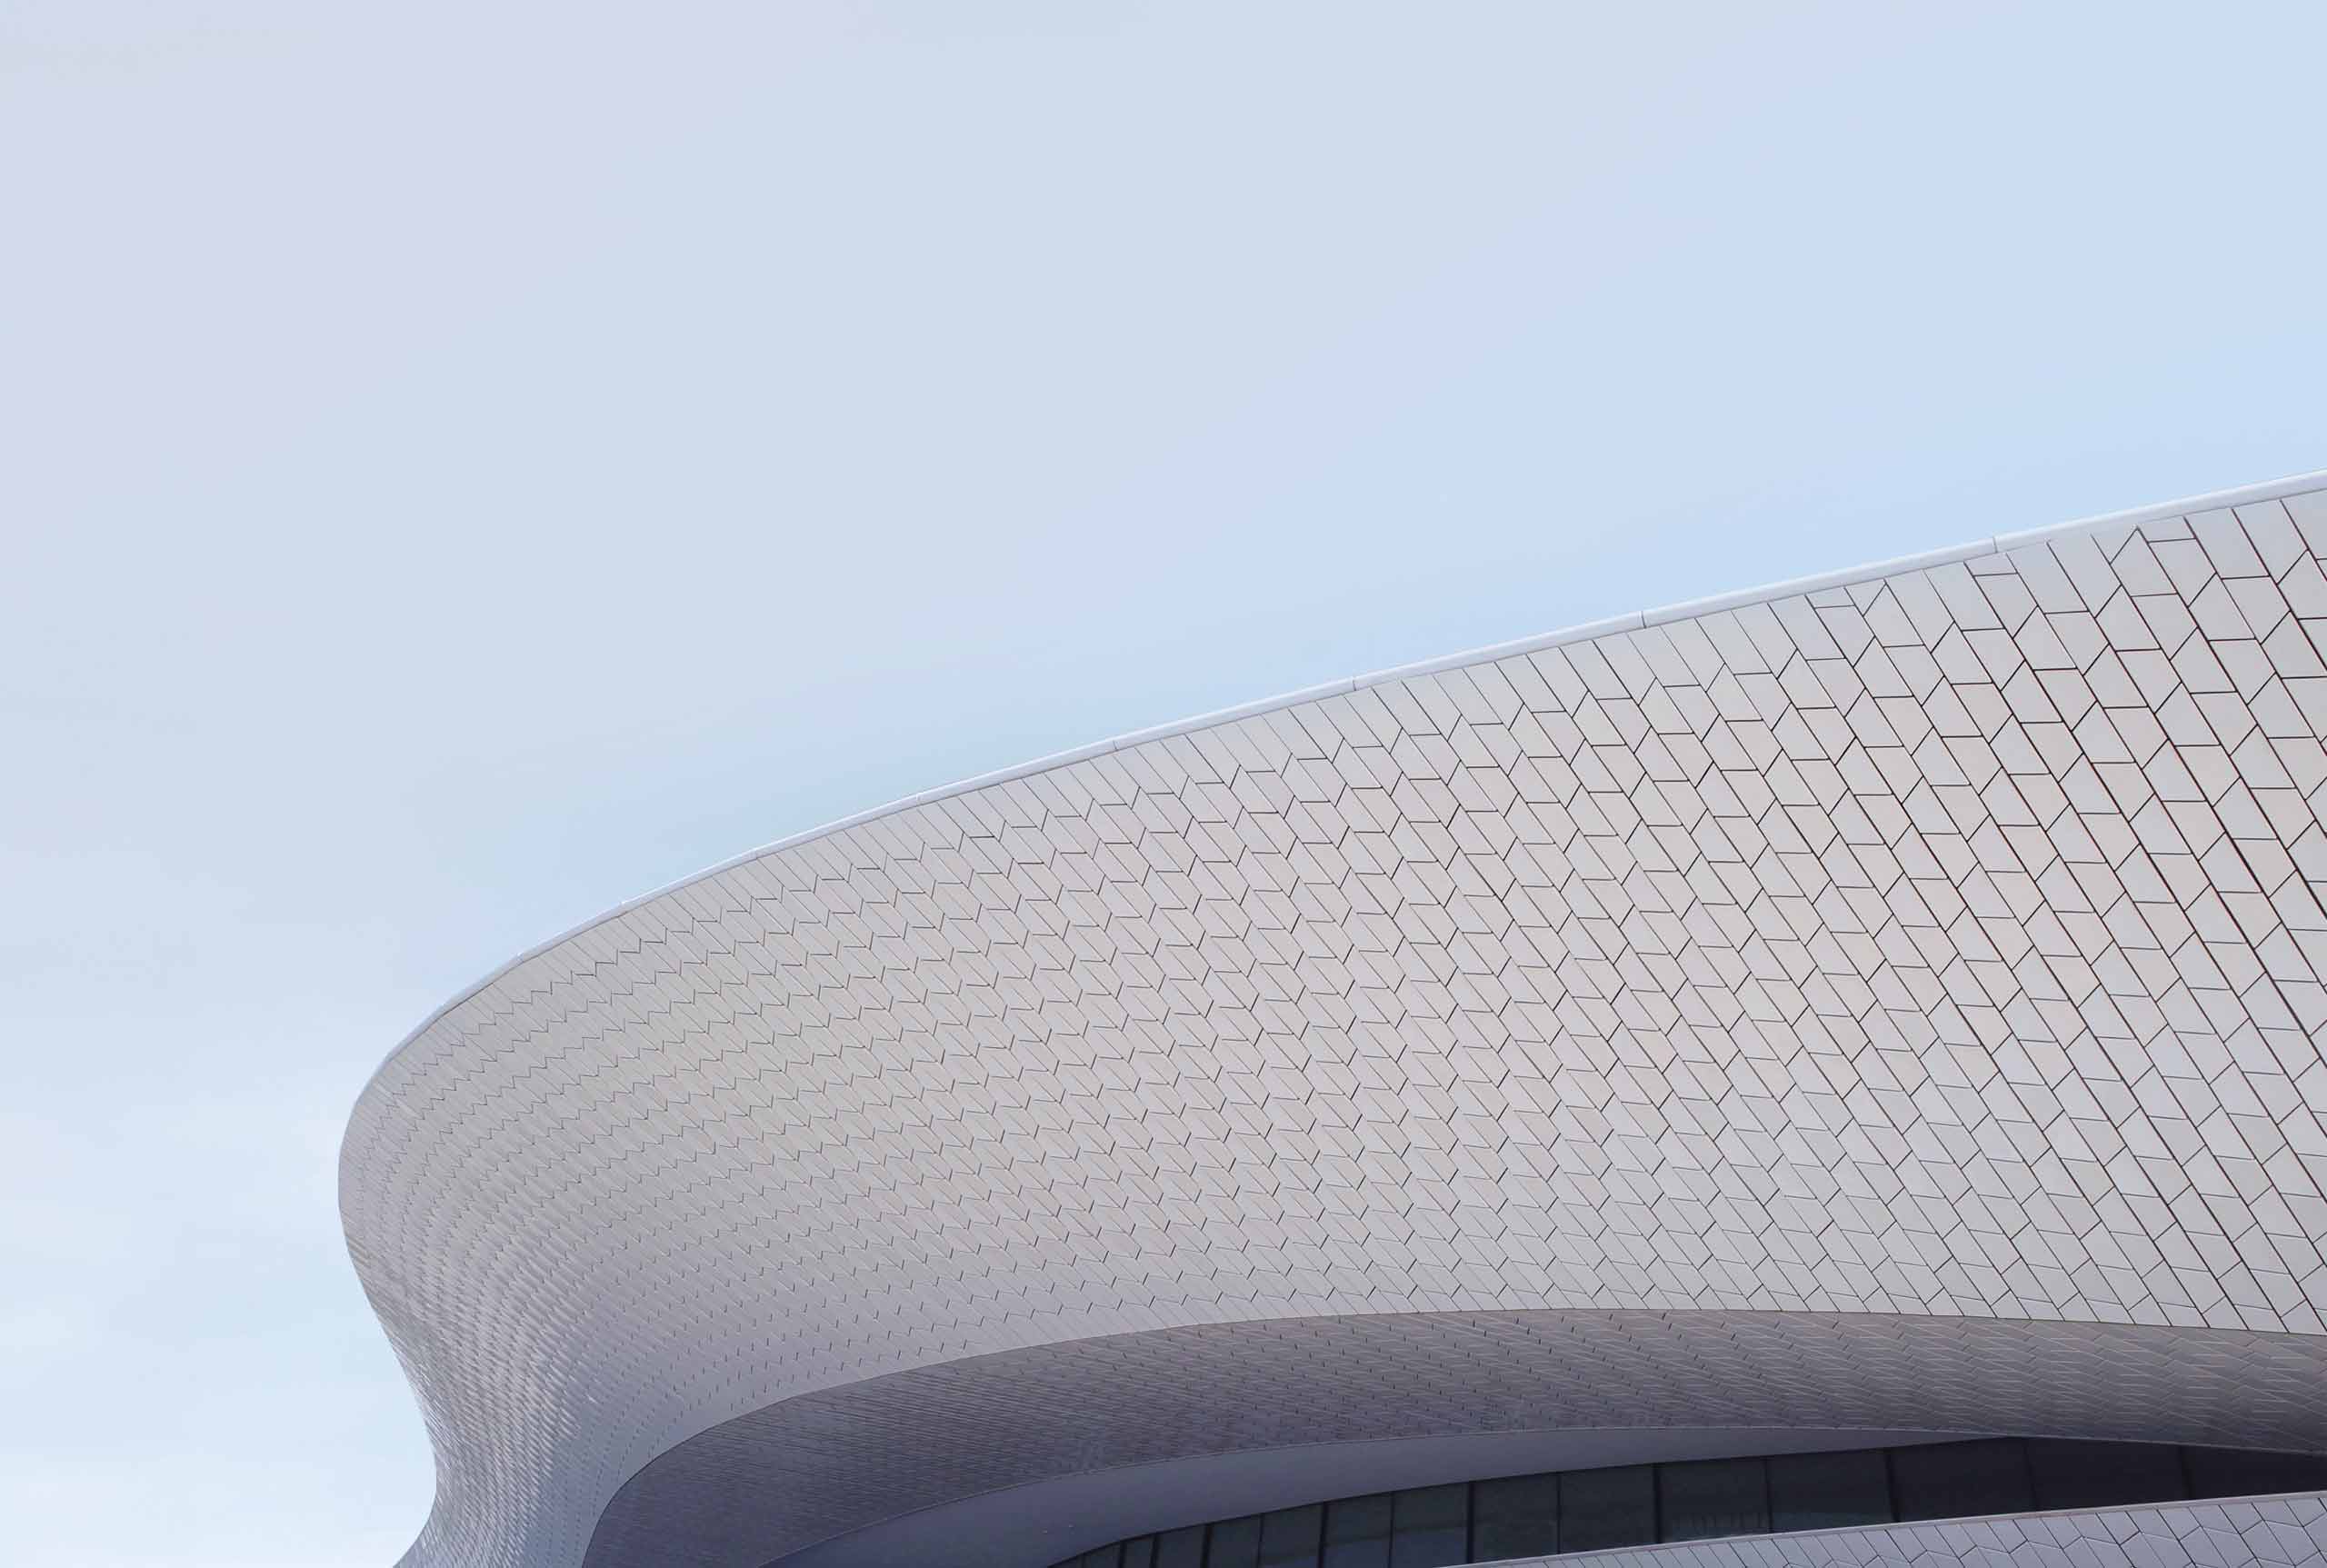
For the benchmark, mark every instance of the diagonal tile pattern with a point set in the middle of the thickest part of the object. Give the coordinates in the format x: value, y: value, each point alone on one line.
x: 1943, y: 942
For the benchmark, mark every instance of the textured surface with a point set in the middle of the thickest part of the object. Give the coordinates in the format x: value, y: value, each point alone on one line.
x: 1942, y: 945
x: 2265, y: 1532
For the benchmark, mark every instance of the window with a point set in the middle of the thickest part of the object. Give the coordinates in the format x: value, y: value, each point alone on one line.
x: 2240, y: 1473
x: 1711, y: 1497
x: 2102, y: 1474
x: 1357, y: 1533
x: 1180, y: 1548
x: 1236, y: 1544
x: 1289, y: 1536
x: 1517, y: 1516
x: 1430, y: 1527
x: 1829, y: 1491
x: 1607, y: 1508
x: 1958, y: 1480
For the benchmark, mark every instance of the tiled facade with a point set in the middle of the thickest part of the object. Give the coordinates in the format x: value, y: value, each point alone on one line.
x: 1932, y: 945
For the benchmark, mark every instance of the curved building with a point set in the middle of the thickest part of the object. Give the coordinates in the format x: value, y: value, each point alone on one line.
x: 1828, y: 1075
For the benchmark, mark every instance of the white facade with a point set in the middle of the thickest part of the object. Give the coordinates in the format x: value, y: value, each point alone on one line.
x: 1886, y: 1003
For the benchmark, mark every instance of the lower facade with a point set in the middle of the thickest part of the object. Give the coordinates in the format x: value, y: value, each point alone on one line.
x: 1424, y: 1438
x: 2265, y: 1532
x: 1835, y: 1492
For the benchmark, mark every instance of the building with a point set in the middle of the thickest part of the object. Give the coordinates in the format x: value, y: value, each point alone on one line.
x: 1835, y: 1058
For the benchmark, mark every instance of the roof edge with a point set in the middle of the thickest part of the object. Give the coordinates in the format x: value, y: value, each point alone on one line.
x: 1992, y: 544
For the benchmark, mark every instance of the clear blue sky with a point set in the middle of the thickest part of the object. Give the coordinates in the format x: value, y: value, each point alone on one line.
x: 463, y: 465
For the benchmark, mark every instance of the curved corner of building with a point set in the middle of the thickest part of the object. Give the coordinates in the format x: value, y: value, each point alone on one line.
x: 1836, y: 1066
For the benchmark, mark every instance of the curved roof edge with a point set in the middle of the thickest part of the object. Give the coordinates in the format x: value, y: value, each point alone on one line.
x: 1994, y: 545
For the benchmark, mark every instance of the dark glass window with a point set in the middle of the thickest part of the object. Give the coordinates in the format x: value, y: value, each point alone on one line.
x: 2236, y: 1472
x: 1828, y: 1490
x: 2102, y: 1474
x: 1517, y: 1516
x: 1180, y: 1548
x: 1711, y: 1497
x: 1607, y: 1508
x: 1430, y: 1527
x: 1357, y: 1533
x: 1953, y: 1480
x: 1236, y: 1544
x: 1289, y: 1536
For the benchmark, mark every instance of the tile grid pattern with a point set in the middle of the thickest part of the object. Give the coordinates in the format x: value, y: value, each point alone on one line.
x: 1946, y: 944
x: 2258, y: 1532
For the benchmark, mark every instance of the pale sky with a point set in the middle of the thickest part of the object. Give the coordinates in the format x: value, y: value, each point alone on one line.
x: 463, y: 466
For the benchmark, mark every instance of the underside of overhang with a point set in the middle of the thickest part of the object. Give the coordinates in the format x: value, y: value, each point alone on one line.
x: 1021, y: 1456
